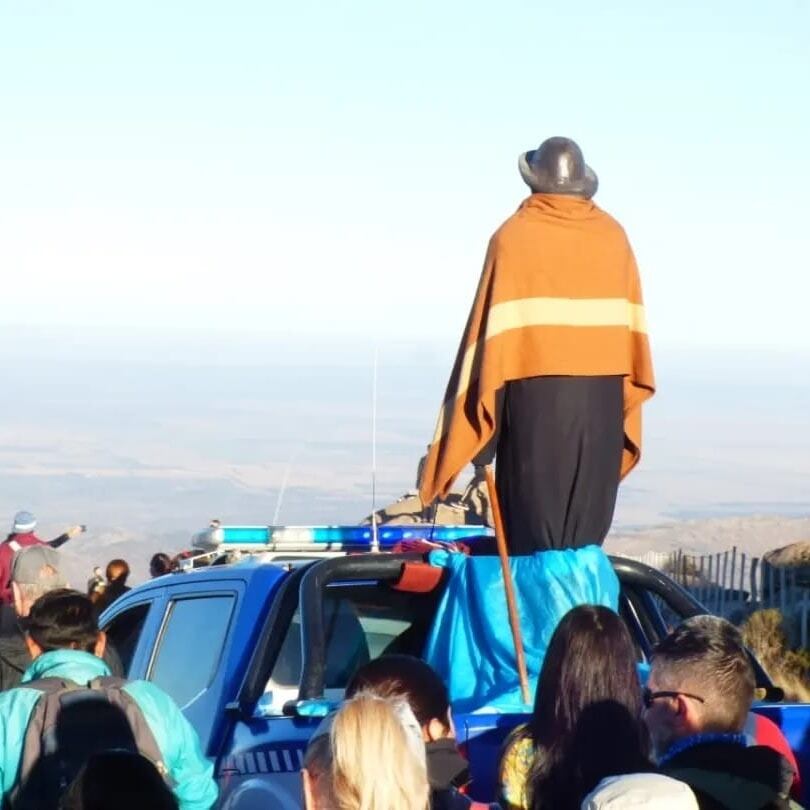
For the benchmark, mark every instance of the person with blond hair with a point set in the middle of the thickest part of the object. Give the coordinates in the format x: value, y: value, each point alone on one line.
x: 368, y: 756
x: 411, y: 679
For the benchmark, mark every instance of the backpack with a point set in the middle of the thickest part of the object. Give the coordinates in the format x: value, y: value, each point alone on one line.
x: 69, y: 724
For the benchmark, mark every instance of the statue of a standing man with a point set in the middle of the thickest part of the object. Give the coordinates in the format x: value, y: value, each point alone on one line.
x: 554, y: 364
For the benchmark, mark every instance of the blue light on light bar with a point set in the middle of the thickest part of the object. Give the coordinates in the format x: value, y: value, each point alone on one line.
x: 346, y: 535
x: 245, y: 534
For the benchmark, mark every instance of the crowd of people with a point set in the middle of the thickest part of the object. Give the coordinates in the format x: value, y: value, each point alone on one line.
x: 126, y: 745
x: 74, y: 733
x: 104, y: 589
x: 598, y: 738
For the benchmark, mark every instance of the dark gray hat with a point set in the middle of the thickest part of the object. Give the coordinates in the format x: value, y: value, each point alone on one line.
x: 37, y: 565
x: 558, y: 167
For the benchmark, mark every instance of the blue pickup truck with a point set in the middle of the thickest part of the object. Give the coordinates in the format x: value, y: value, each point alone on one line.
x: 253, y: 644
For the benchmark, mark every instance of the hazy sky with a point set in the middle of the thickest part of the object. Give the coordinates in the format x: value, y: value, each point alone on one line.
x: 337, y: 167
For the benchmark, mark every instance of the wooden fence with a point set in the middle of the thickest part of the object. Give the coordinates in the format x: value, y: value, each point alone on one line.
x: 734, y: 584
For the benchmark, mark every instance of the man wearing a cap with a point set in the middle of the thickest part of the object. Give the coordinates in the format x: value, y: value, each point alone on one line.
x: 553, y: 366
x: 22, y: 535
x: 35, y: 572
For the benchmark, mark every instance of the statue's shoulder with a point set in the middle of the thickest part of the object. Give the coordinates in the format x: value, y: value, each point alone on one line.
x: 512, y: 230
x: 609, y: 222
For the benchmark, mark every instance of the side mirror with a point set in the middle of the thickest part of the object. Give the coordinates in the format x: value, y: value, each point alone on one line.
x: 316, y: 707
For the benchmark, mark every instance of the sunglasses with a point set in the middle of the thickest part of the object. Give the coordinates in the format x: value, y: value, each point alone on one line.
x: 648, y: 697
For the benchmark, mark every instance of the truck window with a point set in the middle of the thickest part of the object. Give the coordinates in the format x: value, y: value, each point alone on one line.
x: 124, y: 631
x: 191, y: 645
x: 362, y: 621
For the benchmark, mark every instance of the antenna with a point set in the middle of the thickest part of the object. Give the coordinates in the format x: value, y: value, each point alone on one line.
x: 283, y: 487
x: 375, y: 540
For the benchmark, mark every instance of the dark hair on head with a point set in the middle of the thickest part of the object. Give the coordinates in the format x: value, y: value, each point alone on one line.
x: 119, y: 779
x: 407, y: 677
x: 160, y: 564
x: 63, y: 619
x: 117, y: 571
x: 587, y: 720
x: 708, y: 651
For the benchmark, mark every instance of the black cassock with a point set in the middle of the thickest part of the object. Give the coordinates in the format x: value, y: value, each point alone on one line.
x: 558, y: 448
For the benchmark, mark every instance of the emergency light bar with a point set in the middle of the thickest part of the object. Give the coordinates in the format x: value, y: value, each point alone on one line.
x: 328, y: 538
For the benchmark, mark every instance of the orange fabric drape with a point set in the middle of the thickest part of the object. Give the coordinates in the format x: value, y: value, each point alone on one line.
x: 559, y: 295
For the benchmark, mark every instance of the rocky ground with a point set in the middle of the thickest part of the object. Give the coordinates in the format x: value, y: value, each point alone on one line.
x: 751, y: 535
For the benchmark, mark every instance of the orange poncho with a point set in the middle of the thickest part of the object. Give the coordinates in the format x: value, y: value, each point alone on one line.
x: 559, y: 295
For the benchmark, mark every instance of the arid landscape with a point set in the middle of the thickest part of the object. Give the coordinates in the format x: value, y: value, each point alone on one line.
x: 145, y: 440
x: 753, y: 535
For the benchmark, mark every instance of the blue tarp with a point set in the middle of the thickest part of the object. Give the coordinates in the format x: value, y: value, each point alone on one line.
x: 470, y: 644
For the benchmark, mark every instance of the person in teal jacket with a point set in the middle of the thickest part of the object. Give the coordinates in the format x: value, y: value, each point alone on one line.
x: 64, y: 641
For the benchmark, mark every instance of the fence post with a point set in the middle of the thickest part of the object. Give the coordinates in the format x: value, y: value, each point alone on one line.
x: 701, y: 582
x: 755, y: 595
x: 719, y: 591
x: 733, y: 571
x: 721, y: 612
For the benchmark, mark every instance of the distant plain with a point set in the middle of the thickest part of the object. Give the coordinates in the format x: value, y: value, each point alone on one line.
x: 146, y: 438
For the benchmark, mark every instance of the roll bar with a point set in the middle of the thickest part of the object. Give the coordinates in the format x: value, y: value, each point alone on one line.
x: 385, y: 567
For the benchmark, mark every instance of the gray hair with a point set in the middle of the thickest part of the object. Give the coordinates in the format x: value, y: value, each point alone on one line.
x: 47, y: 579
x: 30, y: 592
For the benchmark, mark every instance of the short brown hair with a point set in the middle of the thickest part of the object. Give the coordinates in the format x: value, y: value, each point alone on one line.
x: 404, y: 676
x: 708, y: 651
x: 117, y: 571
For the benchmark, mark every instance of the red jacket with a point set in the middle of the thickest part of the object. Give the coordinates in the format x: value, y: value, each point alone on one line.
x: 8, y: 548
x: 761, y: 730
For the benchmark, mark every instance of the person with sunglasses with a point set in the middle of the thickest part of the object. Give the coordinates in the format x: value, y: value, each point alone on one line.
x: 696, y: 706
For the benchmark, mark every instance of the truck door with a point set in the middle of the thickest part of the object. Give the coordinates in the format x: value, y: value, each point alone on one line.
x: 192, y: 648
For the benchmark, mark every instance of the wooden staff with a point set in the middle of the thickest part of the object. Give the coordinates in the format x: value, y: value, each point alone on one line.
x: 511, y: 602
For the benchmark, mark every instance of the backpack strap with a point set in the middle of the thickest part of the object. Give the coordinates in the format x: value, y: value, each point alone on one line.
x: 107, y: 682
x: 49, y: 686
x: 45, y: 709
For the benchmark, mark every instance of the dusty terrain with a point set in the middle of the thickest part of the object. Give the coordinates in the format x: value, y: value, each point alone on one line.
x: 147, y: 439
x: 752, y: 535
